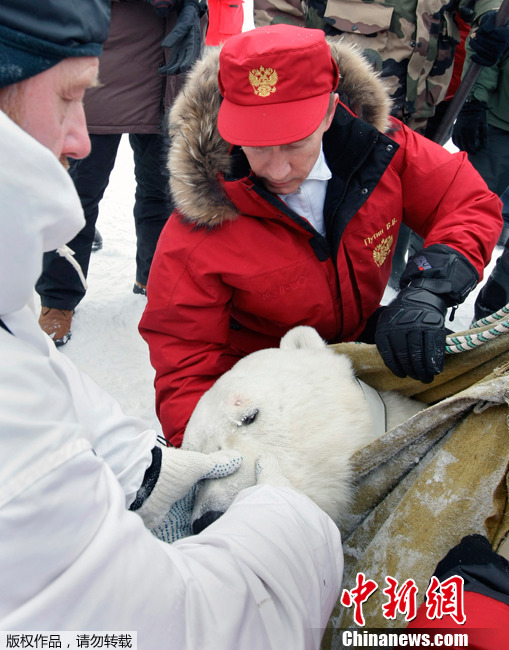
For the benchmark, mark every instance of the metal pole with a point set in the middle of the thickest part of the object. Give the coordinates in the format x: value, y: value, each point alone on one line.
x: 465, y: 86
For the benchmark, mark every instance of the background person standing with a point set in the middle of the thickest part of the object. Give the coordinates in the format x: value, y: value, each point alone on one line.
x: 132, y: 98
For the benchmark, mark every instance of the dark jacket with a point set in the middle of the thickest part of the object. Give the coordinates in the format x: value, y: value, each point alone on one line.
x: 133, y: 95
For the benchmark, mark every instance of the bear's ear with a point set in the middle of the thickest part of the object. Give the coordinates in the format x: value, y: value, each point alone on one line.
x: 302, y: 338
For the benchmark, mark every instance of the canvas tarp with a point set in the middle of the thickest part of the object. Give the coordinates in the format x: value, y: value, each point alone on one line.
x: 425, y: 484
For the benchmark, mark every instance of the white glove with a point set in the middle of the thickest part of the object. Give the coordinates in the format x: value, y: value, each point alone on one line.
x: 166, y: 497
x: 177, y: 522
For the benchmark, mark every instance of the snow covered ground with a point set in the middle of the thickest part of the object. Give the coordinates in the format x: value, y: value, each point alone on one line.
x: 105, y: 340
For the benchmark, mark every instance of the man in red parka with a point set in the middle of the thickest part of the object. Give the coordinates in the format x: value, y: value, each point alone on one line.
x: 291, y: 181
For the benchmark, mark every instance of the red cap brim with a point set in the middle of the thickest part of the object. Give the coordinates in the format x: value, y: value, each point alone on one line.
x: 272, y: 124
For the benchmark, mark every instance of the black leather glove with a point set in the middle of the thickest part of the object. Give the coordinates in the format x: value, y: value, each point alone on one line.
x: 483, y: 570
x: 410, y: 334
x: 470, y: 132
x: 184, y: 40
x: 489, y: 41
x: 164, y: 7
x: 474, y: 560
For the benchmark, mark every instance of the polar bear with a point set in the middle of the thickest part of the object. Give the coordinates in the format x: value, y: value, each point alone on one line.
x: 302, y: 404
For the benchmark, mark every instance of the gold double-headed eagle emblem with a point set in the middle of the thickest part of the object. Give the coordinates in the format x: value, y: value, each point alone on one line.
x: 383, y: 249
x: 263, y: 80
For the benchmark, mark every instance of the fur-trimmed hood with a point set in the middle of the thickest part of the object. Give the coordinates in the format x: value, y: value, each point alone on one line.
x: 198, y: 154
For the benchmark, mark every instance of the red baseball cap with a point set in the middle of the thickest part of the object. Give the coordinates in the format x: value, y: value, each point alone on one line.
x: 276, y: 83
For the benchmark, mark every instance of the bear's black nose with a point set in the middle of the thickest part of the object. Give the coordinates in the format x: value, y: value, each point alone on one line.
x: 205, y: 520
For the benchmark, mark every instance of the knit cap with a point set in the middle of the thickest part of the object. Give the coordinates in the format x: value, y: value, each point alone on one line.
x: 37, y: 34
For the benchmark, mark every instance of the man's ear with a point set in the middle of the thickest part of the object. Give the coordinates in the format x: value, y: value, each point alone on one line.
x: 330, y: 117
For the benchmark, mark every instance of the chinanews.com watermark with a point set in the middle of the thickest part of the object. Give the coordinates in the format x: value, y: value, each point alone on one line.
x: 400, y: 639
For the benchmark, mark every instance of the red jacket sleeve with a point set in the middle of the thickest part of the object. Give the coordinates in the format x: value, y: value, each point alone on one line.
x: 486, y: 625
x: 193, y: 303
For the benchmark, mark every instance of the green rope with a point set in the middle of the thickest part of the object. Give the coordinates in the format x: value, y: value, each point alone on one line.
x: 491, y: 328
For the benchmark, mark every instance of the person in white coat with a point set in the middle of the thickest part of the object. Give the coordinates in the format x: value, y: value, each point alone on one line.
x: 81, y: 483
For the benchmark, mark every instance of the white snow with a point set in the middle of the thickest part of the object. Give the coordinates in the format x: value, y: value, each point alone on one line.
x: 105, y: 340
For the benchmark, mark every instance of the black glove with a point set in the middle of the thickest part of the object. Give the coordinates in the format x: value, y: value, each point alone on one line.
x: 483, y: 570
x: 184, y: 40
x: 164, y: 7
x: 489, y: 41
x: 473, y: 550
x: 410, y: 334
x: 470, y: 131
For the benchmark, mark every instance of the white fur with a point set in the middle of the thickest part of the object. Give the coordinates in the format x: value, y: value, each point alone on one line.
x: 300, y: 403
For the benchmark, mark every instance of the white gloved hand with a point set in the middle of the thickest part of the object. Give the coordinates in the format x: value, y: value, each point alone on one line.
x: 177, y: 522
x: 166, y: 498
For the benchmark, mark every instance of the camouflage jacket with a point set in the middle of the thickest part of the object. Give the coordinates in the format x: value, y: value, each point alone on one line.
x: 411, y: 42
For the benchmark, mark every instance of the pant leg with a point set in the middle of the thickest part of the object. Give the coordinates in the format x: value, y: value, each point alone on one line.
x: 407, y: 244
x: 505, y: 201
x: 492, y: 162
x: 504, y: 237
x: 399, y: 258
x: 495, y: 293
x: 59, y: 285
x: 153, y: 204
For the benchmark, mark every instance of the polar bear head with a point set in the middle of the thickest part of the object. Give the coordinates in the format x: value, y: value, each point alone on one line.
x: 299, y: 402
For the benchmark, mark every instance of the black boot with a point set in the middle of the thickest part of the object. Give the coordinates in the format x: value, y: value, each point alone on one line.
x: 97, y: 244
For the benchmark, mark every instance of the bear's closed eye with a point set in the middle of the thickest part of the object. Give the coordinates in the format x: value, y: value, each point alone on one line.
x: 248, y: 418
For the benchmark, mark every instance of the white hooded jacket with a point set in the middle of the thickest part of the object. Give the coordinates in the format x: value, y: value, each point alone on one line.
x: 72, y: 557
